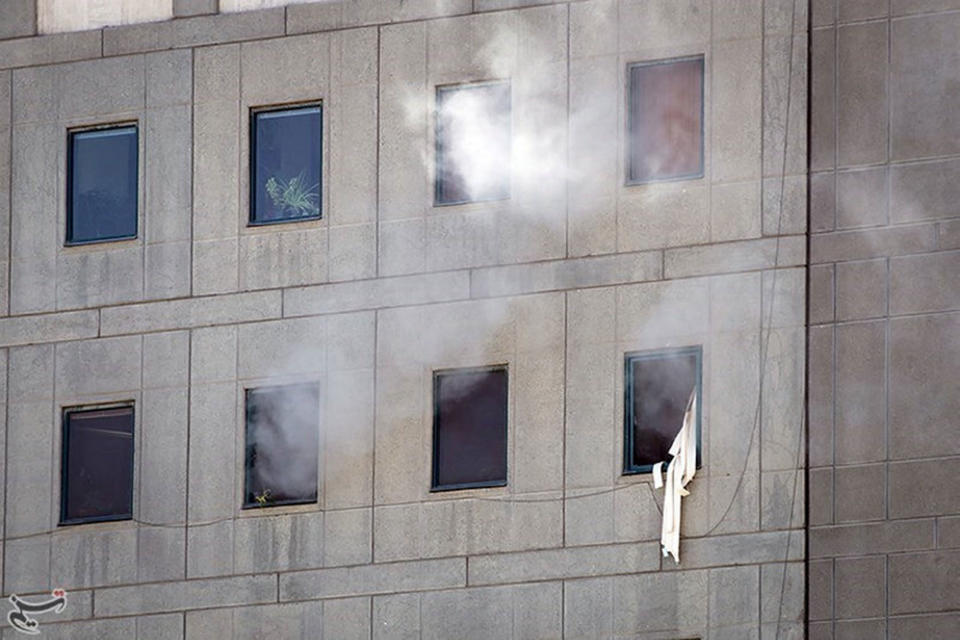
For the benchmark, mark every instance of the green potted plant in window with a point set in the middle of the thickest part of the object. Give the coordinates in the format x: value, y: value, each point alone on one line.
x: 294, y: 198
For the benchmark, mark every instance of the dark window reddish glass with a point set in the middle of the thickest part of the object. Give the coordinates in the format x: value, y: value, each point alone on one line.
x: 666, y: 120
x: 282, y: 445
x: 470, y: 428
x: 658, y: 386
x: 97, y: 473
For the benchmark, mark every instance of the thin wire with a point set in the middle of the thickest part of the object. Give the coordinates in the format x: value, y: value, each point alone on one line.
x: 207, y: 523
x: 783, y: 173
x: 765, y: 350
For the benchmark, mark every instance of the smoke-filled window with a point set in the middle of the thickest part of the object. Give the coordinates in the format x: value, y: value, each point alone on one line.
x: 285, y: 154
x: 666, y: 120
x: 473, y: 143
x: 658, y: 386
x: 96, y: 479
x: 282, y: 448
x: 102, y: 179
x: 470, y: 428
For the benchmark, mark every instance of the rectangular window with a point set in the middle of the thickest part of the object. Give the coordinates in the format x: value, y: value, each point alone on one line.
x: 470, y: 428
x: 96, y: 480
x: 473, y: 143
x: 102, y: 185
x: 666, y: 120
x: 282, y: 445
x: 657, y: 388
x: 285, y: 154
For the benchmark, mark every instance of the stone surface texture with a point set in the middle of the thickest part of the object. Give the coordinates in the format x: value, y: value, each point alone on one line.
x: 557, y: 283
x: 884, y: 334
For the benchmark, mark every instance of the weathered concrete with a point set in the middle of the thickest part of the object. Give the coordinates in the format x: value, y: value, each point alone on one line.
x: 557, y: 282
x: 884, y: 320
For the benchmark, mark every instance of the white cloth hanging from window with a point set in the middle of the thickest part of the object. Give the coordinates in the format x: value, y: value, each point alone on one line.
x: 680, y: 472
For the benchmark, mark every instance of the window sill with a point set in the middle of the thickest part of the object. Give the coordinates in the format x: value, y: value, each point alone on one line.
x: 285, y: 508
x: 679, y: 178
x: 438, y: 204
x: 443, y: 488
x: 271, y: 223
x: 71, y: 244
x: 95, y: 520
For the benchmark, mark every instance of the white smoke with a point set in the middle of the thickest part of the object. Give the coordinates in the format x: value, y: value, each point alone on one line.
x: 283, y: 429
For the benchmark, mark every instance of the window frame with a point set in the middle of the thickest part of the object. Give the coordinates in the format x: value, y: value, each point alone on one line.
x: 435, y: 486
x: 68, y: 231
x: 628, y: 436
x: 252, y: 162
x: 437, y: 147
x: 248, y: 449
x: 628, y: 147
x: 64, y: 454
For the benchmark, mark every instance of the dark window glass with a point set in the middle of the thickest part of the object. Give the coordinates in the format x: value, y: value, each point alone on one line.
x: 285, y: 170
x: 473, y: 143
x: 657, y: 389
x: 666, y: 120
x: 283, y: 435
x: 102, y: 177
x: 97, y: 473
x: 470, y: 428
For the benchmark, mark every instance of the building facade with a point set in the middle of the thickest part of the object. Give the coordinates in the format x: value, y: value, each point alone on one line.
x: 884, y: 336
x: 569, y: 254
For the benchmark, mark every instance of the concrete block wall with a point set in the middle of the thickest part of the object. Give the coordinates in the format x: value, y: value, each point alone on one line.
x: 884, y: 321
x: 558, y: 283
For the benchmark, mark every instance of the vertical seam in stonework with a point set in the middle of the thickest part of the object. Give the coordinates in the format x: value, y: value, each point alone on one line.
x: 763, y: 149
x: 833, y: 351
x: 566, y: 315
x: 836, y: 116
x: 763, y: 104
x: 887, y: 341
x: 432, y: 162
x: 376, y: 185
x: 232, y: 520
x: 708, y: 82
x: 566, y: 177
x: 142, y: 186
x: 245, y: 214
x: 193, y: 150
x: 55, y: 490
x: 325, y: 144
x: 373, y: 447
x: 186, y: 496
x: 9, y: 202
x: 886, y: 393
x: 370, y: 601
x: 563, y: 608
x: 621, y: 149
x: 886, y: 594
x: 805, y: 597
x: 563, y: 448
x: 6, y: 438
x: 833, y: 403
x: 138, y: 443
